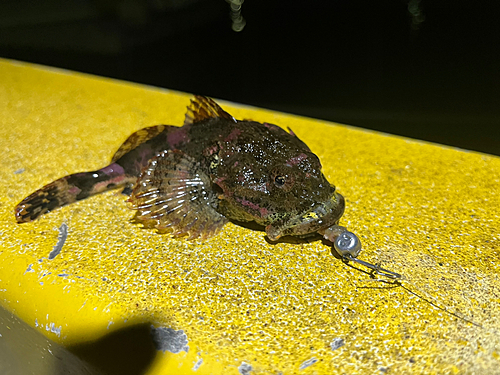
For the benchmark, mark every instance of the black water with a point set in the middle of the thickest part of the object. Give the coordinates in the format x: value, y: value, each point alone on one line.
x: 431, y: 73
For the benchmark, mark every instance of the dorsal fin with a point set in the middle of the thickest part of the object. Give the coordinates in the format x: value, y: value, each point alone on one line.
x: 202, y: 108
x: 137, y: 138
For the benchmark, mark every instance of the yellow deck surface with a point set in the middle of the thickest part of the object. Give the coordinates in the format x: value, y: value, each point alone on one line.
x: 429, y: 212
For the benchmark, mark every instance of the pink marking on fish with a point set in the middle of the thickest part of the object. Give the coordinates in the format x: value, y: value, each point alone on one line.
x: 233, y: 135
x: 177, y: 137
x: 296, y: 160
x: 74, y: 190
x: 113, y: 169
x: 246, y: 203
x: 272, y: 127
x: 211, y: 150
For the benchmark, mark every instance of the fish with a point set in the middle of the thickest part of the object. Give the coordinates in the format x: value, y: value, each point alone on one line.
x: 190, y: 180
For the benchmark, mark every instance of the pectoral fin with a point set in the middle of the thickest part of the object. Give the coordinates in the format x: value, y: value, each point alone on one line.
x: 174, y: 193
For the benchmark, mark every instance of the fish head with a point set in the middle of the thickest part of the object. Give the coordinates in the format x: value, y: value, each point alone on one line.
x: 275, y: 180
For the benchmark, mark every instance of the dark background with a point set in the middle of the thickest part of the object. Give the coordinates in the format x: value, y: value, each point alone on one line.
x: 423, y: 69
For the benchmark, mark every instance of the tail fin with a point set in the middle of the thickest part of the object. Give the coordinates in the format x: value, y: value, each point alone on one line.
x: 70, y: 189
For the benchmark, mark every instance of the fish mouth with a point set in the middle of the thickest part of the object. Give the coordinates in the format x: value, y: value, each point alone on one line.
x: 321, y: 216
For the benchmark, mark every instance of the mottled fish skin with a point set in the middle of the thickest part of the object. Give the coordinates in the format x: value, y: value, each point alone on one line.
x: 246, y: 161
x: 192, y: 179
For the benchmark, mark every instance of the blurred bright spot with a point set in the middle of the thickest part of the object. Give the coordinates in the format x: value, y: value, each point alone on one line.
x: 238, y: 20
x: 417, y: 14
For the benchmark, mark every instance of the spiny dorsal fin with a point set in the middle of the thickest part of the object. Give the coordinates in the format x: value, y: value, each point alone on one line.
x: 202, y: 108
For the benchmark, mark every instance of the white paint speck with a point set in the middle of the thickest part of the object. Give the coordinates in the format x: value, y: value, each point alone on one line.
x: 308, y: 363
x: 337, y: 343
x: 29, y: 269
x: 63, y: 234
x: 245, y: 368
x: 198, y: 364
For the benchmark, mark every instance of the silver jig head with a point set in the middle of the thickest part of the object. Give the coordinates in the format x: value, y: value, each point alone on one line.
x: 348, y: 246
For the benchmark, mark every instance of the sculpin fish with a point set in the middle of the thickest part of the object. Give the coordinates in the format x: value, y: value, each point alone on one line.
x: 191, y: 180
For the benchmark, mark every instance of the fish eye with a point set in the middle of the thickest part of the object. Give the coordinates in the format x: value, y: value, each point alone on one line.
x: 279, y: 180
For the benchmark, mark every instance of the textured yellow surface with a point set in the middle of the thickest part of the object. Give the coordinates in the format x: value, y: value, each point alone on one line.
x: 428, y: 212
